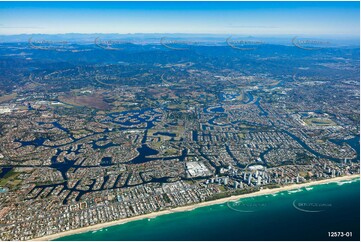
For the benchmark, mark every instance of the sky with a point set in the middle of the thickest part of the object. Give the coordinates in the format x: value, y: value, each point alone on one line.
x: 250, y: 18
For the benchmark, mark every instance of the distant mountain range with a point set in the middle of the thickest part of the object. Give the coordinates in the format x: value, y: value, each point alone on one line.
x: 204, y: 39
x: 201, y: 38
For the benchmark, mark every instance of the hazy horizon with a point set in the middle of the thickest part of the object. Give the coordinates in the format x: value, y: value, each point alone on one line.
x: 237, y: 18
x: 197, y: 39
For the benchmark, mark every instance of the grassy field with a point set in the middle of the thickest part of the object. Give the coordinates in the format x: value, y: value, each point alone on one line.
x: 92, y: 101
x: 319, y: 122
x: 9, y: 179
x: 6, y: 98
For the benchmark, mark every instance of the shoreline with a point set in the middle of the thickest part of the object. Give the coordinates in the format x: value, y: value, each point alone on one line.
x: 194, y: 206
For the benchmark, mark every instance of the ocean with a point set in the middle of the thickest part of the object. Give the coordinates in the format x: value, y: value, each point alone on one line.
x: 305, y: 214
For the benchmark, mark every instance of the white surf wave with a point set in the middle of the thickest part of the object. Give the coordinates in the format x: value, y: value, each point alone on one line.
x: 294, y: 191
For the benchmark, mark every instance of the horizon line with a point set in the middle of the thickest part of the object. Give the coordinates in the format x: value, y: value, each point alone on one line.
x: 180, y: 33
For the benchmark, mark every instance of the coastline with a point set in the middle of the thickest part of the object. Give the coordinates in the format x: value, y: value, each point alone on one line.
x: 194, y: 206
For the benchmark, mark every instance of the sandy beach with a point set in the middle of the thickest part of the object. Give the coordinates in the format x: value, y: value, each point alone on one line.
x: 194, y: 206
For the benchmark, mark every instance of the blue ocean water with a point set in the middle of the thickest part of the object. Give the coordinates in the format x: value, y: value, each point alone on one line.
x: 304, y: 214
